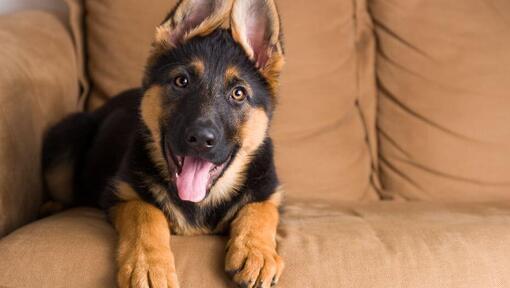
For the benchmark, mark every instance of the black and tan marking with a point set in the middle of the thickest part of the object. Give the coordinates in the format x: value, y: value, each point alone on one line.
x: 214, y: 65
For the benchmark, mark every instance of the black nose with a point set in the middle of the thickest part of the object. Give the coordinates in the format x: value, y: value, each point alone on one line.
x: 201, y: 138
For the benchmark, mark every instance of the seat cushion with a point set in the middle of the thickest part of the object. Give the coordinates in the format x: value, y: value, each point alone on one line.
x: 324, y: 127
x: 37, y: 88
x: 374, y: 245
x: 443, y: 70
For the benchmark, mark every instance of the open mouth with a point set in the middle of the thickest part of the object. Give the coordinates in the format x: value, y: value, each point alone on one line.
x: 195, y: 176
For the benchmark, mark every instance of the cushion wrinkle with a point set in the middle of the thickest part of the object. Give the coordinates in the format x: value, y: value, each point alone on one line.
x: 439, y: 173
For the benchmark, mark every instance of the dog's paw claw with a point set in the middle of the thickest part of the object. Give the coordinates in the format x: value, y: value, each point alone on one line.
x: 146, y: 270
x: 274, y: 281
x: 253, y: 264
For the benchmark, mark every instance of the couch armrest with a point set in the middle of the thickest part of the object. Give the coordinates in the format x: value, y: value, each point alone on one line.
x: 38, y: 86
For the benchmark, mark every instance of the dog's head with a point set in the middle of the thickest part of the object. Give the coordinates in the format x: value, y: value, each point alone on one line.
x: 210, y: 92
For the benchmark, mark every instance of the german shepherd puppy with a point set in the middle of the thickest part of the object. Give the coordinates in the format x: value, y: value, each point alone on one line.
x: 189, y: 152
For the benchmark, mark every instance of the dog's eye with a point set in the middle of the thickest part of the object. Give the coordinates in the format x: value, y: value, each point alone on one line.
x: 239, y: 94
x: 181, y: 81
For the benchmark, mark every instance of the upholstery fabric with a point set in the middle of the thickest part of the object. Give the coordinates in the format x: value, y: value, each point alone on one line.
x: 443, y: 117
x: 325, y: 119
x: 367, y: 246
x: 325, y: 124
x: 38, y: 86
x: 76, y: 25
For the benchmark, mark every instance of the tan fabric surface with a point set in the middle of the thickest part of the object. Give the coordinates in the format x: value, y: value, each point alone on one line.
x: 379, y: 245
x: 38, y: 86
x: 328, y: 91
x: 320, y: 134
x: 76, y: 23
x: 444, y: 74
x: 118, y: 38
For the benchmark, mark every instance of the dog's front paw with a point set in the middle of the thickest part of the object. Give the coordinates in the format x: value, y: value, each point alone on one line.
x: 139, y: 268
x: 253, y: 263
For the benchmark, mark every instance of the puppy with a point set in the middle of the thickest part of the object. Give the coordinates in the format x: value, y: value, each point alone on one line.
x: 188, y: 153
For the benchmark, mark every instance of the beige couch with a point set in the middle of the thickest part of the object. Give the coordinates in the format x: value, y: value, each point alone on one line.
x: 392, y: 137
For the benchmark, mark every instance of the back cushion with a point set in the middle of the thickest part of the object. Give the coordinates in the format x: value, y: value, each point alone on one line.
x: 327, y: 101
x: 444, y: 109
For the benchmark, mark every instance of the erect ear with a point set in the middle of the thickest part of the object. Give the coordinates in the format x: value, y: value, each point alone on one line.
x: 256, y: 26
x: 192, y: 18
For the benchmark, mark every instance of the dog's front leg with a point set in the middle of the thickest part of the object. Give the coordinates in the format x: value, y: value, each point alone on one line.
x: 144, y: 257
x: 251, y: 258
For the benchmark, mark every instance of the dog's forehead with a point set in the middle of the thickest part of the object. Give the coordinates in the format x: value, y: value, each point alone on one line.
x: 217, y: 52
x: 226, y: 72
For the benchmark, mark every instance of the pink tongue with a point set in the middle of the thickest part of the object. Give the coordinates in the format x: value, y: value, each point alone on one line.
x: 194, y: 178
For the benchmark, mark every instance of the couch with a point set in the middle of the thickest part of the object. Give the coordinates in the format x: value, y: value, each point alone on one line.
x: 392, y: 139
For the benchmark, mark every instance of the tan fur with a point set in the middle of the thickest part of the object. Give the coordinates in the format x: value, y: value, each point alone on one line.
x: 254, y: 130
x: 162, y: 34
x: 125, y: 192
x: 231, y: 73
x: 60, y: 181
x: 251, y: 250
x: 144, y: 256
x: 272, y: 71
x: 151, y: 110
x: 199, y: 66
x: 252, y: 136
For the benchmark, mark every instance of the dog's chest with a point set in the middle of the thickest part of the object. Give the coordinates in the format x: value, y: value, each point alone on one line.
x: 200, y: 220
x: 186, y: 218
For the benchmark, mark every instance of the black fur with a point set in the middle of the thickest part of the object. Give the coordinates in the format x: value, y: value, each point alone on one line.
x: 95, y: 142
x: 111, y: 143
